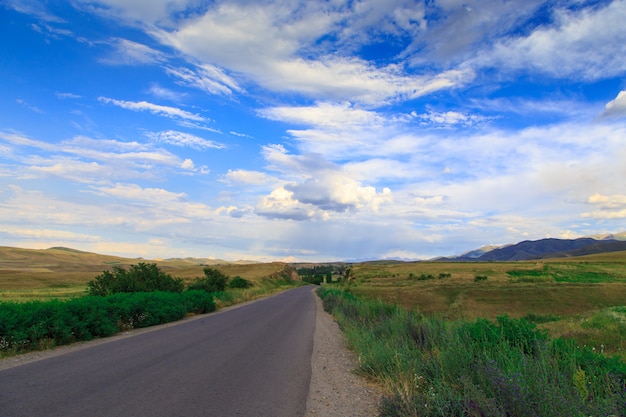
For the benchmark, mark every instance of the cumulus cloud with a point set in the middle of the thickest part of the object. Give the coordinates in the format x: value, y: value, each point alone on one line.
x: 335, y: 191
x: 608, y: 206
x: 320, y: 189
x: 280, y: 204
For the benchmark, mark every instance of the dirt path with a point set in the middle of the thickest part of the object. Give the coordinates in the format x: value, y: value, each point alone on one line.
x: 336, y: 390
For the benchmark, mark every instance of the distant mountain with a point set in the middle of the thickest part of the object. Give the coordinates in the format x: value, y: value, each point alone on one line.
x: 477, y: 253
x: 546, y: 248
x: 610, y: 236
x: 530, y: 249
x: 601, y: 246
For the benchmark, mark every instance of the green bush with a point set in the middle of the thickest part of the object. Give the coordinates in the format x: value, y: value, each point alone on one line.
x: 238, y: 282
x: 37, y: 324
x: 199, y: 302
x: 213, y: 281
x: 138, y: 278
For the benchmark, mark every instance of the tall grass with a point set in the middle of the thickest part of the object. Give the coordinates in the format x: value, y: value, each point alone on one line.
x: 433, y: 367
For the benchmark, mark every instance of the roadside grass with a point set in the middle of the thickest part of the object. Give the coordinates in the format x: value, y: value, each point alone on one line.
x: 505, y: 367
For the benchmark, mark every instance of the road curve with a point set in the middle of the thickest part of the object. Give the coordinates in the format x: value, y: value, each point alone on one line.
x: 251, y: 361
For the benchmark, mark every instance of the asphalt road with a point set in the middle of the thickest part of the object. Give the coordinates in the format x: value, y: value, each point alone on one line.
x: 252, y: 361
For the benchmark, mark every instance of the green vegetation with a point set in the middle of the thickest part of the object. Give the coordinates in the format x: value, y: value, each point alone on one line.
x: 213, y: 281
x: 318, y: 274
x: 506, y: 367
x: 43, y: 324
x: 138, y: 278
x: 238, y: 282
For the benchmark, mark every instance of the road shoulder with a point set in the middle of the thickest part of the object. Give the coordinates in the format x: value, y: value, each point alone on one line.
x: 336, y: 390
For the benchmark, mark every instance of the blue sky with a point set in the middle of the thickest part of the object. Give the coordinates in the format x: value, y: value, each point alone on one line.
x: 310, y: 130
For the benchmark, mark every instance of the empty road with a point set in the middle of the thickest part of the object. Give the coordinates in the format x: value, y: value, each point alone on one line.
x: 254, y: 360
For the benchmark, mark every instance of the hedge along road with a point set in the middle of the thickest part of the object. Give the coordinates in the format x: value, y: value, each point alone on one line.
x: 254, y: 360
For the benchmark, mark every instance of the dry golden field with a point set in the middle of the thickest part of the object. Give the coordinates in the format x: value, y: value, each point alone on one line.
x: 583, y: 297
x: 28, y: 274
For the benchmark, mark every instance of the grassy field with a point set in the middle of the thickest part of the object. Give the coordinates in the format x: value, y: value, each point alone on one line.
x: 27, y: 274
x: 581, y: 298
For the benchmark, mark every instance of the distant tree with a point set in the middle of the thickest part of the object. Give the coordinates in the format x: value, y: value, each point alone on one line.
x: 214, y: 280
x: 142, y: 277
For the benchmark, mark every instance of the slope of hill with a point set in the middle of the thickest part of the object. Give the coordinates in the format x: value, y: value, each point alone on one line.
x: 602, y: 246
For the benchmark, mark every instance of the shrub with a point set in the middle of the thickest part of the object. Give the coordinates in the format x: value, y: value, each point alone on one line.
x: 199, y: 302
x: 213, y: 281
x: 238, y: 282
x: 138, y: 278
x: 479, y: 278
x: 37, y: 324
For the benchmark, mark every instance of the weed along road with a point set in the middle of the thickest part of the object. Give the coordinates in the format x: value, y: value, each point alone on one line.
x: 254, y: 360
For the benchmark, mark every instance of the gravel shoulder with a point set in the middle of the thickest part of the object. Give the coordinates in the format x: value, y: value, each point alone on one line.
x: 336, y: 390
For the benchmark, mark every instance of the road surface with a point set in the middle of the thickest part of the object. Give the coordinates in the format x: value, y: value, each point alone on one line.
x: 251, y: 361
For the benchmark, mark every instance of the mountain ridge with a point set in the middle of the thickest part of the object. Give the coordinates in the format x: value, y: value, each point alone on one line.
x: 546, y: 248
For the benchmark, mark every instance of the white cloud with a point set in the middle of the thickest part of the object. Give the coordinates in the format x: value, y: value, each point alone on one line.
x: 450, y: 119
x: 34, y: 8
x: 47, y: 235
x: 321, y: 188
x: 140, y: 11
x: 588, y: 45
x: 127, y: 52
x: 165, y: 93
x: 29, y: 106
x: 275, y: 46
x: 67, y: 95
x: 280, y: 204
x: 174, y: 137
x: 87, y: 160
x: 327, y: 115
x: 21, y: 140
x: 246, y: 177
x: 608, y: 207
x: 455, y: 29
x: 207, y: 78
x: 160, y: 110
x: 133, y: 192
x: 615, y: 108
x: 188, y: 165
